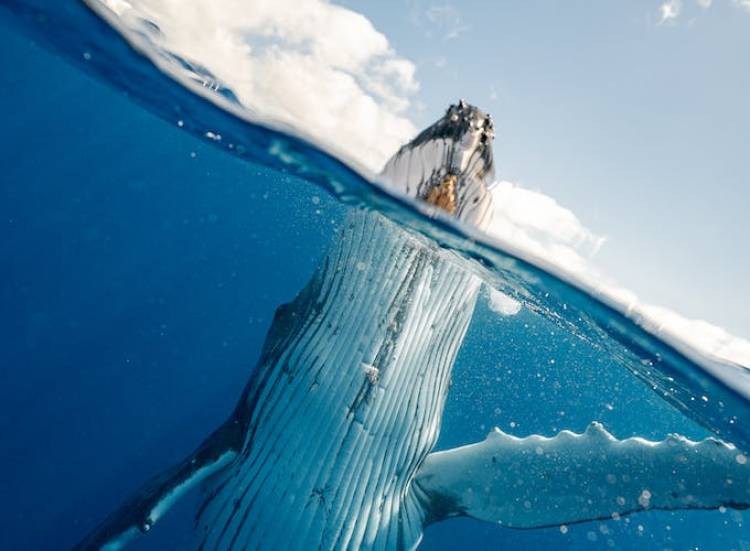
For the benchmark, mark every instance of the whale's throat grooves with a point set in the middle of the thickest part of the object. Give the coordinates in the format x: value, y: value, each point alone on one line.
x: 346, y: 401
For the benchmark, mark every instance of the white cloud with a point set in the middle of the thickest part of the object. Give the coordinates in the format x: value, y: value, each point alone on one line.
x: 744, y: 4
x: 537, y: 223
x: 700, y: 334
x: 669, y: 11
x: 318, y: 67
x: 540, y: 228
x: 705, y: 4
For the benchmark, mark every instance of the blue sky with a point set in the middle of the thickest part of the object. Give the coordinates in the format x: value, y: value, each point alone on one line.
x: 639, y: 125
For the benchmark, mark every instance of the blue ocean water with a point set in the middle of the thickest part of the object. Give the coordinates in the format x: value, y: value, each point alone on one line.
x: 141, y: 270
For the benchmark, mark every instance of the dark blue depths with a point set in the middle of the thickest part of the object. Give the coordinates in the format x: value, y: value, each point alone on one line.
x: 139, y: 270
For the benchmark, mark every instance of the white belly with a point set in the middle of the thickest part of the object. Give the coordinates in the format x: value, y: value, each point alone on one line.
x: 346, y: 401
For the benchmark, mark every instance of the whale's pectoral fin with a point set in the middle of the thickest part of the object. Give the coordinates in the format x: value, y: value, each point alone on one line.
x: 139, y: 513
x: 536, y: 481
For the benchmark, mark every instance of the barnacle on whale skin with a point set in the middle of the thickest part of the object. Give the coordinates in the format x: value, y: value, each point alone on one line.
x: 443, y: 195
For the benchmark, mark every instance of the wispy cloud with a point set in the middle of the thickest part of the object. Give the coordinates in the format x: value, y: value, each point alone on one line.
x: 493, y: 92
x: 669, y: 11
x: 440, y: 20
x: 447, y: 19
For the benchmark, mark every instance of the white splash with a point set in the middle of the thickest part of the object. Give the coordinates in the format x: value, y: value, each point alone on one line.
x: 502, y: 303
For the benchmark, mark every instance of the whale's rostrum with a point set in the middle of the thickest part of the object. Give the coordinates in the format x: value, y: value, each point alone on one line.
x: 330, y: 444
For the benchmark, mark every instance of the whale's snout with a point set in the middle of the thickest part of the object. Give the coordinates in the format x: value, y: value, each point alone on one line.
x: 468, y: 124
x: 449, y: 164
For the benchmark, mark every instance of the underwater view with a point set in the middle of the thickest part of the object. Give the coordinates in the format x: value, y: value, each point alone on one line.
x: 262, y: 289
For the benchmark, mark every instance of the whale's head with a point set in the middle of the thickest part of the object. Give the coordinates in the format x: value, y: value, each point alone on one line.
x: 449, y: 164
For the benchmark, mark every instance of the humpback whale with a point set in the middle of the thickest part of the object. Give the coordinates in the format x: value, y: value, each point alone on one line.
x: 330, y: 445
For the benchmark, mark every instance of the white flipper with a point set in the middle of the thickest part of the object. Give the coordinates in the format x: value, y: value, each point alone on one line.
x: 537, y: 481
x: 146, y: 507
